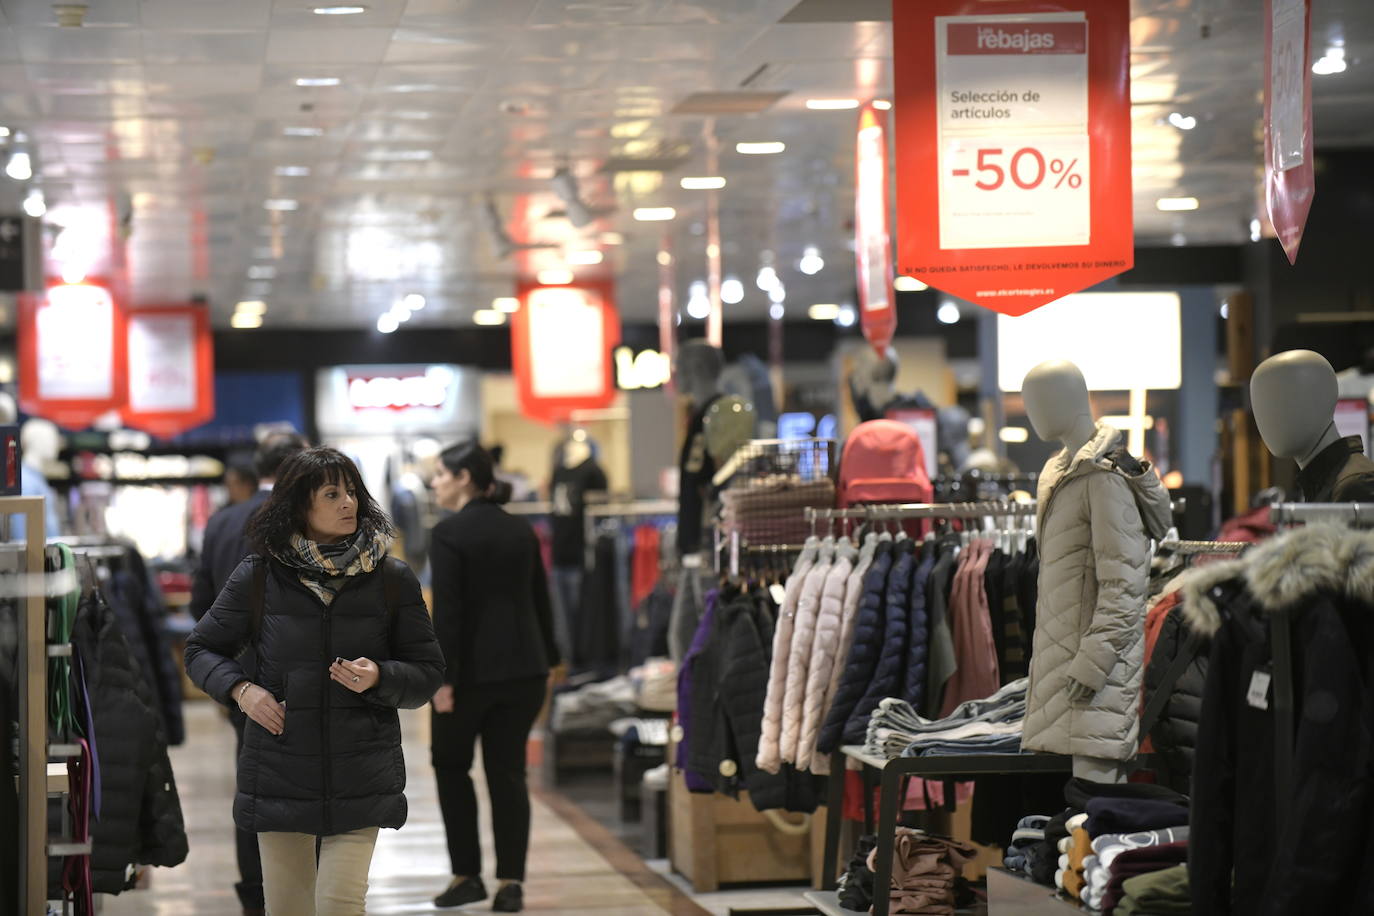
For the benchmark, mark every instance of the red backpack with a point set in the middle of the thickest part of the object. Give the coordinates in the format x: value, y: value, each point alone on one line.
x: 883, y: 462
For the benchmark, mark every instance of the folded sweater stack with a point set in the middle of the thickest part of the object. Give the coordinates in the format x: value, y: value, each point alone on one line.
x: 924, y: 871
x: 987, y: 726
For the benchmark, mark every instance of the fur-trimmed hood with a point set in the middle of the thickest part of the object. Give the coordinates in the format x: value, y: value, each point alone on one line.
x: 1285, y: 570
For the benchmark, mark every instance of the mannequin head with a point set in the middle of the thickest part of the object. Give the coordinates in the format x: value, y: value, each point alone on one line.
x: 9, y: 412
x: 41, y: 442
x: 698, y: 369
x: 1057, y: 403
x: 577, y: 448
x: 1293, y: 396
x: 873, y: 382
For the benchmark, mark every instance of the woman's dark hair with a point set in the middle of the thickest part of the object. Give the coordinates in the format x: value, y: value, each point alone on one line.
x: 471, y: 457
x: 283, y: 515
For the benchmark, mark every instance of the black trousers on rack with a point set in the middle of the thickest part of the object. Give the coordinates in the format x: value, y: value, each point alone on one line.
x: 501, y: 715
x: 249, y: 887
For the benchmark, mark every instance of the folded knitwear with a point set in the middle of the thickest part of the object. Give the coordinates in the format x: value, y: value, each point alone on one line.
x: 1129, y: 815
x: 1006, y: 744
x: 1159, y: 893
x: 1142, y: 861
x: 1108, y: 846
x: 896, y: 729
x: 1078, y: 792
x: 1029, y: 831
x: 924, y: 868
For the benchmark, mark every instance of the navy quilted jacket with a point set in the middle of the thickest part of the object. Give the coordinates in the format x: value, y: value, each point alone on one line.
x: 887, y: 677
x: 863, y: 653
x: 918, y: 632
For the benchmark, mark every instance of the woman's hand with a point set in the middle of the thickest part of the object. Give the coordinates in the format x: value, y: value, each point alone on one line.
x: 358, y: 675
x: 443, y: 699
x: 260, y: 706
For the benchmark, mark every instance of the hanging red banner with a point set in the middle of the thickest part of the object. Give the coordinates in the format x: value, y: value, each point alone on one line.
x: 561, y: 343
x: 1289, y: 179
x: 1013, y: 147
x: 873, y: 231
x: 72, y: 353
x: 171, y: 369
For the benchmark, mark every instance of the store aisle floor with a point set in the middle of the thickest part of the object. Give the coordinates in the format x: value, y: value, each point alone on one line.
x: 576, y: 868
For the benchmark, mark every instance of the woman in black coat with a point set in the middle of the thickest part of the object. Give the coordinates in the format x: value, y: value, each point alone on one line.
x: 492, y: 613
x: 343, y: 639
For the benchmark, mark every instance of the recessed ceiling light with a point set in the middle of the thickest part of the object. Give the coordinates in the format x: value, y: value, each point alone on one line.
x: 554, y: 277
x: 4, y: 131
x: 776, y: 311
x: 731, y: 291
x: 704, y: 183
x: 1014, y: 434
x: 401, y: 155
x: 1177, y: 203
x: 280, y: 203
x: 293, y: 171
x: 245, y: 320
x: 698, y: 302
x: 908, y: 285
x: 654, y: 214
x: 303, y: 131
x: 831, y: 104
x: 20, y: 167
x: 251, y: 307
x: 262, y: 272
x: 846, y: 317
x: 488, y: 317
x: 34, y: 204
x: 882, y: 104
x: 811, y: 263
x: 587, y: 257
x: 760, y: 149
x: 1182, y: 121
x: 507, y: 304
x: 823, y: 311
x: 1331, y: 62
x: 313, y: 82
x: 339, y: 10
x: 948, y: 313
x: 413, y: 302
x: 612, y: 238
x: 387, y: 323
x: 777, y: 293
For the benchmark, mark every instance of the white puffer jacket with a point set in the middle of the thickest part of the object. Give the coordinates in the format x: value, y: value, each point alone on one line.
x: 1094, y: 531
x: 769, y: 757
x: 799, y: 658
x: 824, y: 643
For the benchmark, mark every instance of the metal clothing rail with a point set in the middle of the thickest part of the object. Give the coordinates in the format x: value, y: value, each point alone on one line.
x: 1194, y: 548
x: 634, y: 509
x: 923, y: 510
x: 1287, y: 514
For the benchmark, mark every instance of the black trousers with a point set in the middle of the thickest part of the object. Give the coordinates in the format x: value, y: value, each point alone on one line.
x: 249, y: 887
x: 501, y: 715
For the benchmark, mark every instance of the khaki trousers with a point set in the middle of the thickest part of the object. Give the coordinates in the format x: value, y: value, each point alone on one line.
x: 292, y: 884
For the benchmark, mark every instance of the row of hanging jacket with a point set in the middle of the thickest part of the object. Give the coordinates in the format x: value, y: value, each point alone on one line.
x: 935, y: 622
x: 722, y: 680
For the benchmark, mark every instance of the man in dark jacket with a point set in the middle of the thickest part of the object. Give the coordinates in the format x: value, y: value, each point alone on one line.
x: 224, y: 548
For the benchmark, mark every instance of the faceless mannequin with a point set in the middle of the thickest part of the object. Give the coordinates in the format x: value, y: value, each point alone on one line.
x: 1293, y: 395
x: 41, y: 442
x: 873, y: 382
x: 577, y: 448
x: 1057, y: 403
x: 698, y: 369
x: 1082, y: 482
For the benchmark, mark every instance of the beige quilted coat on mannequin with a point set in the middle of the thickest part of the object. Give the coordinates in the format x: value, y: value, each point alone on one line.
x: 1094, y: 570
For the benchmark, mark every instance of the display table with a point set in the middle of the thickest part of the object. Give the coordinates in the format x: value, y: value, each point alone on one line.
x: 893, y: 773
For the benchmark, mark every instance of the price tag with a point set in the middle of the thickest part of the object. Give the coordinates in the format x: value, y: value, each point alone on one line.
x: 1258, y: 694
x: 777, y: 593
x: 1013, y: 122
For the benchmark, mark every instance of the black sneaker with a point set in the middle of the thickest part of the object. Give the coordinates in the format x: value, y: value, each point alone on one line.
x: 509, y: 899
x: 469, y: 890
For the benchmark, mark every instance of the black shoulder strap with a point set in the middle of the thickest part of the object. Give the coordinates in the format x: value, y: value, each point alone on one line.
x: 1125, y: 462
x: 389, y: 589
x: 258, y: 597
x: 1155, y: 707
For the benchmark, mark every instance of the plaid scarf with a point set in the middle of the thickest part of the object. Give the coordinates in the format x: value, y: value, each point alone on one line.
x: 324, y: 568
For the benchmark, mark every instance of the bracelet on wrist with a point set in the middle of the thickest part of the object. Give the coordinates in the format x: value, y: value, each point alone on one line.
x: 242, y: 690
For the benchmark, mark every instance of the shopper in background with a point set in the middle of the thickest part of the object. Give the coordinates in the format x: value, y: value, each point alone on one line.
x: 322, y: 763
x: 240, y: 482
x: 224, y: 547
x: 494, y: 620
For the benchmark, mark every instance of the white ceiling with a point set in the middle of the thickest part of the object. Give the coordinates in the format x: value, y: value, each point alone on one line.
x: 170, y: 117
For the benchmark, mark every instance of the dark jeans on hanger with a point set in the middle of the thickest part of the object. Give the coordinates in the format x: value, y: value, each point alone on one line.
x: 249, y: 887
x: 567, y: 604
x: 502, y: 715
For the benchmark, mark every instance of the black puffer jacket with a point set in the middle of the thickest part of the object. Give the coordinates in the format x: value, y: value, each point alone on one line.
x: 1175, y: 732
x: 338, y: 766
x: 140, y: 819
x: 863, y: 653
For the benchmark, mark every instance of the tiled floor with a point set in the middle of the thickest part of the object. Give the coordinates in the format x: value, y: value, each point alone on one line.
x: 570, y: 872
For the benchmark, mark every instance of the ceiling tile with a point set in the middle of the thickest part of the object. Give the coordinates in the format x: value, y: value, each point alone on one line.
x: 327, y: 46
x: 167, y: 47
x: 204, y: 15
x: 87, y: 45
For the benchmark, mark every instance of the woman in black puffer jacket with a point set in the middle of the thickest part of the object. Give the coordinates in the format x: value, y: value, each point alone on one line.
x: 343, y: 640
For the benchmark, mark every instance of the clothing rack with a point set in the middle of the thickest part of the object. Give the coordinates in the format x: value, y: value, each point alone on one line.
x: 1287, y: 515
x: 923, y: 510
x: 1195, y: 548
x: 35, y: 776
x: 638, y: 508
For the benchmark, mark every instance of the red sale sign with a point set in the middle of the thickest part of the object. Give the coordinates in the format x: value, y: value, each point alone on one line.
x: 171, y: 377
x: 561, y: 343
x: 73, y: 359
x: 872, y: 230
x: 1013, y: 147
x: 1289, y: 179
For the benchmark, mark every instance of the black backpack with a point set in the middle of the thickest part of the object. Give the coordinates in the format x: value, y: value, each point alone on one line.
x: 258, y: 596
